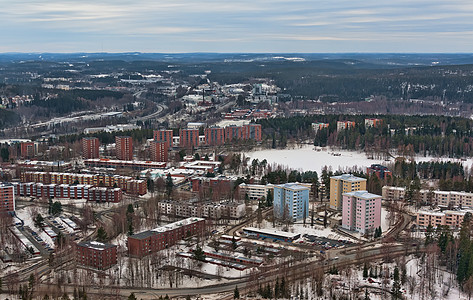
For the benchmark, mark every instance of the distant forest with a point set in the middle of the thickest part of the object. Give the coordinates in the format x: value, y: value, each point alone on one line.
x: 426, y: 135
x: 318, y: 78
x: 8, y: 118
x: 351, y: 80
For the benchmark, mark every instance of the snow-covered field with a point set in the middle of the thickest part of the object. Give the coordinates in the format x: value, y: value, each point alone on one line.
x: 305, y: 158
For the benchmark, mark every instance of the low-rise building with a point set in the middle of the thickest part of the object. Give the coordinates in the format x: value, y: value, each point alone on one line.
x: 125, y: 183
x: 271, y: 234
x: 219, y: 184
x: 211, y: 210
x: 103, y: 194
x: 255, y: 191
x: 151, y: 241
x: 393, y: 193
x: 451, y: 218
x: 439, y: 198
x: 129, y: 164
x: 68, y: 191
x: 97, y: 255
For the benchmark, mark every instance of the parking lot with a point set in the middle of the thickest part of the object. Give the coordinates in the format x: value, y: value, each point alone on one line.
x: 324, y: 243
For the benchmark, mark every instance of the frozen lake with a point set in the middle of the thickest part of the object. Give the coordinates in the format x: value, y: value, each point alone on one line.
x: 307, y: 159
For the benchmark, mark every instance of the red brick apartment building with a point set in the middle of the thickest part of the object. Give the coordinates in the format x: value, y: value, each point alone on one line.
x: 252, y: 132
x: 7, y: 198
x: 68, y: 191
x: 189, y: 138
x: 28, y: 149
x: 163, y: 136
x: 159, y: 151
x: 90, y: 147
x: 125, y: 183
x: 124, y: 147
x: 245, y: 132
x: 96, y: 255
x: 129, y: 164
x: 214, y: 136
x: 147, y: 242
x: 103, y: 194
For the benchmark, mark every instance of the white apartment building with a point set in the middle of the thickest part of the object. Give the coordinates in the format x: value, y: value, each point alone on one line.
x: 255, y: 191
x: 440, y: 198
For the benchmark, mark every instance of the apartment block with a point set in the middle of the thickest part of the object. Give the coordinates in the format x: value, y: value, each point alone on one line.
x: 342, y: 184
x: 151, y: 241
x: 252, y: 132
x: 440, y: 198
x: 129, y: 164
x: 28, y: 149
x: 211, y: 210
x: 319, y: 126
x: 125, y: 183
x: 103, y: 194
x: 380, y: 171
x: 361, y: 211
x: 7, y: 198
x: 447, y: 198
x: 344, y: 125
x: 159, y: 151
x: 163, y: 136
x: 451, y: 218
x: 373, y: 122
x: 189, y: 138
x: 233, y: 133
x: 96, y: 255
x: 219, y: 184
x: 124, y: 147
x: 291, y: 201
x: 68, y: 191
x: 393, y: 193
x: 255, y: 191
x: 90, y: 147
x: 214, y: 136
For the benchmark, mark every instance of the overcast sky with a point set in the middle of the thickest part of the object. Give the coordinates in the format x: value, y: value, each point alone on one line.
x: 236, y: 26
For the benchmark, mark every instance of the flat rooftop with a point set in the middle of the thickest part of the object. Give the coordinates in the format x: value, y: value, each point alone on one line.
x: 273, y: 232
x: 168, y: 227
x: 292, y: 186
x: 96, y: 245
x: 362, y: 195
x: 348, y: 177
